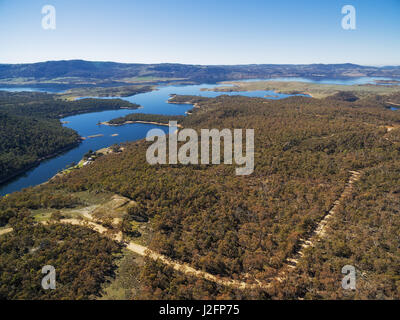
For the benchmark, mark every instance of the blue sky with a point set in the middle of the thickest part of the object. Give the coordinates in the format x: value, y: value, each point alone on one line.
x: 201, y: 31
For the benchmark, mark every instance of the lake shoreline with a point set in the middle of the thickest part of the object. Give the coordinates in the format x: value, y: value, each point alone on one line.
x: 23, y: 170
x: 154, y: 102
x: 238, y: 89
x: 81, y: 163
x: 106, y: 123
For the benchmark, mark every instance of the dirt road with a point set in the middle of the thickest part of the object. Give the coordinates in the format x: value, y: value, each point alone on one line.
x: 318, y: 233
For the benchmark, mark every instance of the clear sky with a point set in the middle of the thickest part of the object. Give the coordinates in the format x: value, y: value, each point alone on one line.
x: 201, y: 31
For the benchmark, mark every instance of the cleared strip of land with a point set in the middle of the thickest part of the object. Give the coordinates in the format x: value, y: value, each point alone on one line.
x: 5, y: 231
x: 320, y: 231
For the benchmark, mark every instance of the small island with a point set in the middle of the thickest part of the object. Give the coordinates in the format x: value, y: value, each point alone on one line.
x: 157, y: 119
x: 118, y: 91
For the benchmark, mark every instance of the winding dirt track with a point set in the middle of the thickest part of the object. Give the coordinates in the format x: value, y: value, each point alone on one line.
x: 144, y: 251
x: 318, y: 233
x: 4, y: 231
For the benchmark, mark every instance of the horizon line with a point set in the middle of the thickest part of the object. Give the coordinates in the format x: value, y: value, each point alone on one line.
x: 200, y: 64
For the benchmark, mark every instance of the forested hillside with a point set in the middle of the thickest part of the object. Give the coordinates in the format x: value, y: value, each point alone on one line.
x: 247, y: 227
x: 26, y: 140
x: 80, y: 72
x: 30, y: 130
x: 46, y: 105
x: 82, y: 266
x: 145, y: 117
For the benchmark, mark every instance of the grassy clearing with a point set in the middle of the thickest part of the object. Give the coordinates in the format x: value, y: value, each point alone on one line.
x: 115, y: 207
x: 42, y: 215
x: 87, y: 199
x: 125, y: 285
x: 145, y: 230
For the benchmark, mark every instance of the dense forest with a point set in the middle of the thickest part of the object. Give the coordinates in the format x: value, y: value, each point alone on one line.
x: 46, y: 105
x: 145, y: 117
x: 246, y: 227
x: 26, y: 140
x: 81, y: 266
x: 365, y: 234
x: 30, y: 130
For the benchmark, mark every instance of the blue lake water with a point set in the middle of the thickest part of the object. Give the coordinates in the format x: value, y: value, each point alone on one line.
x: 20, y: 89
x: 154, y: 102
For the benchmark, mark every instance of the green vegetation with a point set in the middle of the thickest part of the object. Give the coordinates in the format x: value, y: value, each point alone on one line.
x: 51, y: 106
x: 30, y: 130
x: 158, y: 281
x: 241, y: 227
x: 82, y: 258
x: 185, y: 99
x: 126, y: 284
x: 246, y: 227
x: 143, y: 117
x: 26, y: 140
x: 120, y: 91
x: 364, y: 233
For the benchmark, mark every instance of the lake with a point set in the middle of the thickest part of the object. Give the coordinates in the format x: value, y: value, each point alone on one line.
x: 154, y: 102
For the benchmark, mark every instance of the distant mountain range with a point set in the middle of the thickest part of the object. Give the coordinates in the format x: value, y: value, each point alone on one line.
x: 80, y: 72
